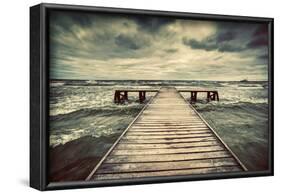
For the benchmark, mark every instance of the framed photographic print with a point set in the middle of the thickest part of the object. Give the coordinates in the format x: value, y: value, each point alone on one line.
x: 124, y: 96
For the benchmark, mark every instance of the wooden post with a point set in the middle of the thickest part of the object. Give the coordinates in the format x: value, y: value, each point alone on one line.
x: 193, y: 96
x: 126, y: 96
x: 117, y: 97
x: 140, y: 96
x: 208, y: 96
x: 213, y: 96
x: 121, y: 97
x: 218, y: 96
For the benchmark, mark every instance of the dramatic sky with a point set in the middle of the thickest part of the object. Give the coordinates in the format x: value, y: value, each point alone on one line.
x: 114, y: 47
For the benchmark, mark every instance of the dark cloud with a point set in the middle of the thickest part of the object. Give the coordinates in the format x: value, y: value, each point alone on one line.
x: 262, y: 30
x: 263, y: 57
x: 88, y: 46
x: 226, y: 36
x: 230, y: 39
x: 235, y: 27
x: 68, y: 19
x: 130, y: 41
x: 230, y: 48
x: 210, y: 44
x: 226, y: 39
x: 260, y: 38
x: 152, y: 24
x: 258, y: 42
x: 204, y: 45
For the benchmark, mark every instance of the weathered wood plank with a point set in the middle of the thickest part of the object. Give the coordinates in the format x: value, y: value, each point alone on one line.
x: 172, y: 119
x: 167, y: 157
x: 171, y: 145
x: 183, y: 121
x: 155, y: 141
x: 168, y: 122
x: 117, y: 152
x: 156, y: 116
x: 166, y: 118
x: 168, y: 130
x: 158, y: 112
x: 166, y: 173
x: 171, y: 126
x: 209, y: 134
x: 158, y: 166
x: 175, y: 115
x: 141, y: 133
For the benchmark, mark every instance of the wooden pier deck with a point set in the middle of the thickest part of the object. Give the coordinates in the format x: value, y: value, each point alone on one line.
x: 167, y: 138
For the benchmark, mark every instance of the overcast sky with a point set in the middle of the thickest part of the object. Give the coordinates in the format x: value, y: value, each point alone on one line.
x: 114, y: 47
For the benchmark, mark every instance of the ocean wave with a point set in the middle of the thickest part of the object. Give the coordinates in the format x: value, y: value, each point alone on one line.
x: 56, y: 84
x: 225, y: 107
x: 67, y: 99
x: 102, y: 111
x: 95, y: 122
x: 243, y: 127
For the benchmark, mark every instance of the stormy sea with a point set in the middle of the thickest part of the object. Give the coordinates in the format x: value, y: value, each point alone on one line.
x: 85, y: 122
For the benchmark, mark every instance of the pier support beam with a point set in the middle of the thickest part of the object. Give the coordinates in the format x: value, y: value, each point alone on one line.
x: 218, y: 99
x: 120, y: 97
x: 125, y: 96
x: 211, y: 96
x: 142, y: 96
x: 208, y: 96
x: 193, y: 96
x: 117, y: 97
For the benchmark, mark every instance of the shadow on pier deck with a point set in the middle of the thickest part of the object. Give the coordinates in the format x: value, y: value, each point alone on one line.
x: 167, y: 138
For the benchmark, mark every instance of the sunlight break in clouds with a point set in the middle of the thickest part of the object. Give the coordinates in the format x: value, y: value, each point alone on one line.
x: 122, y: 47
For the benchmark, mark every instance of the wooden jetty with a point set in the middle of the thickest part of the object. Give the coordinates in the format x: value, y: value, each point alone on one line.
x: 121, y: 95
x: 211, y: 94
x: 167, y: 138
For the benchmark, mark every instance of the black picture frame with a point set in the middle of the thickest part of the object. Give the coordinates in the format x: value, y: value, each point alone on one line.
x: 39, y: 84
